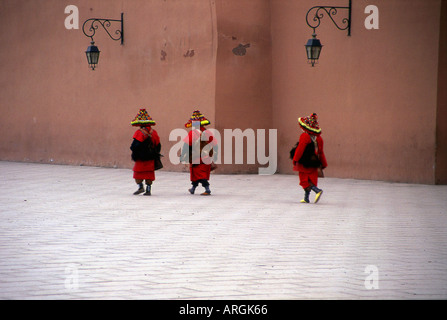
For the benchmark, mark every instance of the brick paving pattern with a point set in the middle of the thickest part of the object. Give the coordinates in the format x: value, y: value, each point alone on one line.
x: 75, y: 232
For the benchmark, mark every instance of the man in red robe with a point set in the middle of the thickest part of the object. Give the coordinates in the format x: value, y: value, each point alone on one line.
x: 309, y: 156
x: 145, y: 148
x: 193, y: 152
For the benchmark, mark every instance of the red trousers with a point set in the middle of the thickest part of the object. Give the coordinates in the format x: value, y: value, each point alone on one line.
x: 144, y: 170
x: 200, y: 171
x: 308, y: 179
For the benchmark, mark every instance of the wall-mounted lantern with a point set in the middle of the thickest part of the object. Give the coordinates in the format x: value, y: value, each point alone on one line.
x: 313, y: 20
x: 93, y: 52
x: 313, y: 49
x: 92, y: 55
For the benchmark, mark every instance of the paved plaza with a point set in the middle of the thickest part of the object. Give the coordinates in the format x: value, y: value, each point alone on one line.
x: 77, y: 232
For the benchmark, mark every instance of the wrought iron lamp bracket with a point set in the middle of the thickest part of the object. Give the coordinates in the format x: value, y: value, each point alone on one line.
x: 314, y: 21
x: 116, y: 35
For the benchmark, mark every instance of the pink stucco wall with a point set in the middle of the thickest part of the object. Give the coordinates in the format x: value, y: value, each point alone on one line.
x: 243, y: 72
x: 375, y: 92
x: 441, y: 116
x: 379, y: 93
x: 56, y: 110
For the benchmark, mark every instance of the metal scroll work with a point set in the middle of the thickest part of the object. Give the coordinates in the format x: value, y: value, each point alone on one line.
x: 314, y: 20
x: 91, y: 25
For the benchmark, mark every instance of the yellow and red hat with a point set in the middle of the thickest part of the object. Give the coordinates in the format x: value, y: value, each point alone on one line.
x: 199, y: 117
x: 310, y: 124
x: 143, y: 119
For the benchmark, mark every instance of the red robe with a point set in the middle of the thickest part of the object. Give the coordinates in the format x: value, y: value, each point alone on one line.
x: 200, y: 171
x: 308, y: 175
x: 143, y: 170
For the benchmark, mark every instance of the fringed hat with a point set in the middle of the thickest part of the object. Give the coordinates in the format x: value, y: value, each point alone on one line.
x: 310, y: 124
x: 197, y: 116
x: 143, y: 119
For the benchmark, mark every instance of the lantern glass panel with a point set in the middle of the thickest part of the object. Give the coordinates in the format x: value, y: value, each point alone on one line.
x: 313, y: 49
x: 92, y: 54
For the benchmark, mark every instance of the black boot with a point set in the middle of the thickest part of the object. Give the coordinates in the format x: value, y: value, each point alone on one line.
x: 148, y: 190
x: 193, y: 188
x: 318, y: 192
x: 206, y: 185
x: 140, y: 189
x: 306, y: 196
x: 207, y: 191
